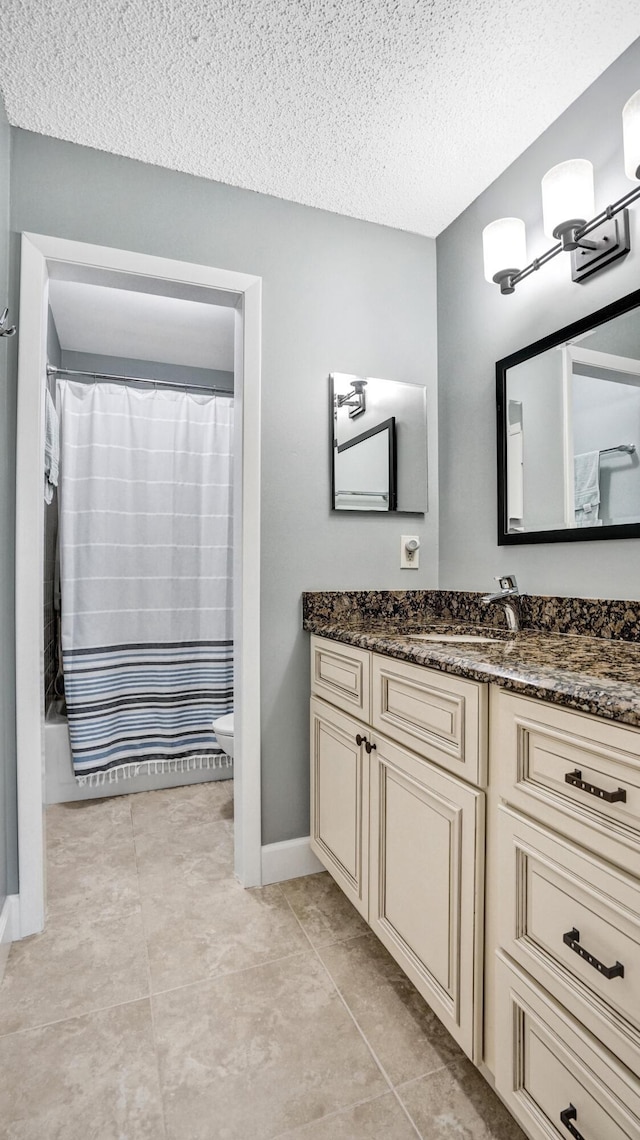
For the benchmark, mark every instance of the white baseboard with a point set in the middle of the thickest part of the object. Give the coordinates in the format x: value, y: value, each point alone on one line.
x: 288, y: 860
x: 8, y: 929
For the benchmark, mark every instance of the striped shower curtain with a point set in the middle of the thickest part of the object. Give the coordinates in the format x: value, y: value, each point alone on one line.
x: 146, y: 576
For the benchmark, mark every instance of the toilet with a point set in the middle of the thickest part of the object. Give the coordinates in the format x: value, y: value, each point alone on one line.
x: 223, y: 728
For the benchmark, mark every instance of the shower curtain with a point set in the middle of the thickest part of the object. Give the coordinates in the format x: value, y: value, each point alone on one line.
x: 146, y: 576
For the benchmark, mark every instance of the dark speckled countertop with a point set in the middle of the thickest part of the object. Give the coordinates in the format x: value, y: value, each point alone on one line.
x: 597, y: 675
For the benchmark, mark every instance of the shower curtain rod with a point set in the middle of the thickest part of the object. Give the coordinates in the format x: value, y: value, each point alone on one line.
x: 53, y: 371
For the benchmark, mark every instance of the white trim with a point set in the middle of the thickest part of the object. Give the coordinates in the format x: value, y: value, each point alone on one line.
x: 8, y: 929
x: 39, y: 254
x: 288, y: 860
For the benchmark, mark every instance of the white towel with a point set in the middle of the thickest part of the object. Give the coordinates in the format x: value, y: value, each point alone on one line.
x: 586, y: 486
x: 51, y: 446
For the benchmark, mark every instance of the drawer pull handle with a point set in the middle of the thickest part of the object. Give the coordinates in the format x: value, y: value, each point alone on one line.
x: 369, y: 747
x: 360, y: 739
x: 572, y: 940
x: 566, y: 1116
x: 575, y: 778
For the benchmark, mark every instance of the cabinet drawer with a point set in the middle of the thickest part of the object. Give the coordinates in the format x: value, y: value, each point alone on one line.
x: 341, y: 674
x: 552, y: 1073
x: 579, y: 774
x: 426, y: 882
x: 574, y: 923
x: 443, y: 718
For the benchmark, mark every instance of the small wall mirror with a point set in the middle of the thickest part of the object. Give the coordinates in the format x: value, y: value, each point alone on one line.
x: 569, y: 432
x: 378, y: 445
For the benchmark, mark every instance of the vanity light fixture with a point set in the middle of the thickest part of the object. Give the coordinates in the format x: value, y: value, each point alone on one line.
x: 355, y: 399
x: 567, y: 209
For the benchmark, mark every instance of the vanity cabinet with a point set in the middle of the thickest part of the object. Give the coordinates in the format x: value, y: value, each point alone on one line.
x: 401, y: 835
x: 563, y: 909
x: 534, y: 964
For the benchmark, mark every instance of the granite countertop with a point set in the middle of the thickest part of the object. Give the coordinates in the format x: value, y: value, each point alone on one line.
x: 591, y: 674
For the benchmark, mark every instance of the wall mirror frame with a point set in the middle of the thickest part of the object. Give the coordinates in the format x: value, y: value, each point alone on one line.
x: 532, y: 446
x: 378, y: 445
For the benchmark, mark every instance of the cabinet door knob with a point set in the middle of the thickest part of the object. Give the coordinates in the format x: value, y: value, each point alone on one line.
x: 369, y: 747
x: 360, y: 739
x: 566, y: 1116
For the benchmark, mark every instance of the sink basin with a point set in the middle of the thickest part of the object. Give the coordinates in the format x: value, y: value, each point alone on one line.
x: 470, y: 638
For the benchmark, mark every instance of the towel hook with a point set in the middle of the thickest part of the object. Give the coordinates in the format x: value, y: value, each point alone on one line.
x: 4, y: 331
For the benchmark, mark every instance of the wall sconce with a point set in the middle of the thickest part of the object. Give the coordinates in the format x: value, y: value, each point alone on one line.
x: 355, y: 399
x: 5, y: 328
x: 567, y: 204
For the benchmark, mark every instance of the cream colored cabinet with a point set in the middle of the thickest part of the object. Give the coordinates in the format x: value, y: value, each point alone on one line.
x: 556, y: 1079
x: 340, y: 674
x: 426, y: 882
x: 442, y: 718
x: 401, y: 835
x: 562, y: 986
x: 340, y: 800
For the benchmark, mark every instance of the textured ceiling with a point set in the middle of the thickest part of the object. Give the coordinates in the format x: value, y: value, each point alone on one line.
x: 395, y: 111
x: 117, y: 322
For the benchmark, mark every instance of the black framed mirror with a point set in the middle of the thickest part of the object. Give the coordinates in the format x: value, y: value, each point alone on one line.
x: 378, y: 445
x: 568, y: 418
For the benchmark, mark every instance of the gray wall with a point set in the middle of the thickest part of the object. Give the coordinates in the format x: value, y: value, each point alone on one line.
x: 477, y: 326
x: 126, y: 366
x: 7, y: 745
x: 338, y: 295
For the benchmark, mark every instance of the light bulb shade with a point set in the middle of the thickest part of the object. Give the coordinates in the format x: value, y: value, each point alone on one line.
x: 567, y: 195
x: 505, y: 247
x: 631, y: 136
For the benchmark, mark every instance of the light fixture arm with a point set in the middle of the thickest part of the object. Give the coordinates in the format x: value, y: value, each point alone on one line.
x: 572, y: 239
x: 355, y: 399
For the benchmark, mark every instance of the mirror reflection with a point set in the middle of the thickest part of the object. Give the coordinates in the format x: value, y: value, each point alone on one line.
x: 378, y: 445
x: 570, y: 419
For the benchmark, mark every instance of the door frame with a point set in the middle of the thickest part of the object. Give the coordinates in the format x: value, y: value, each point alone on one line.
x: 39, y: 254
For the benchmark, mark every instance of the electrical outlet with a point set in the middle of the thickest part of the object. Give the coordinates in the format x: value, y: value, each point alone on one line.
x: 409, y: 552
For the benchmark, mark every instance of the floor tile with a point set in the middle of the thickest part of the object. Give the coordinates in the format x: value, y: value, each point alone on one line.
x: 404, y: 1033
x: 196, y: 853
x: 95, y: 820
x: 93, y: 877
x: 255, y: 1053
x: 197, y: 931
x: 88, y: 1078
x: 379, y: 1119
x: 323, y: 910
x: 73, y: 967
x: 458, y: 1102
x: 194, y: 803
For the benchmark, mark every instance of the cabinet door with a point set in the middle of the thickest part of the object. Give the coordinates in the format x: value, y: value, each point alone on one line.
x: 339, y: 800
x: 426, y: 882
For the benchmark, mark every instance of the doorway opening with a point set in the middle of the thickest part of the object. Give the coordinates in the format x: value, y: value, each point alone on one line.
x: 134, y: 312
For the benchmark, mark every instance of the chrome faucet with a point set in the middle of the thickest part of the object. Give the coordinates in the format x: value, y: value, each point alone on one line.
x: 509, y: 596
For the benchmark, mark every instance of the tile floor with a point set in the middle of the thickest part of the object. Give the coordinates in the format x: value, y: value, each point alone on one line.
x: 164, y: 1001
